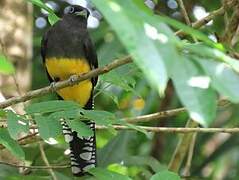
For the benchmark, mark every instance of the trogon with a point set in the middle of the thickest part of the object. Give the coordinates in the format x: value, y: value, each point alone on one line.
x: 68, y: 50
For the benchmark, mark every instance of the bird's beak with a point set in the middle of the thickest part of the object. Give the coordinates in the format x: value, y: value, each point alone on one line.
x: 82, y: 13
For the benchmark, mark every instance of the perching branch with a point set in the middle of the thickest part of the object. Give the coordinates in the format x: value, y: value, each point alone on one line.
x: 69, y: 82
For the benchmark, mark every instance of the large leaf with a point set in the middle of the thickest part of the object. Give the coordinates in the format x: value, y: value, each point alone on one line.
x: 194, y: 91
x: 5, y: 66
x: 16, y: 124
x: 108, y: 153
x: 104, y: 174
x: 137, y: 128
x: 189, y: 30
x: 11, y: 144
x: 51, y: 106
x: 67, y: 114
x: 165, y: 175
x: 224, y: 79
x: 211, y: 53
x: 140, y: 160
x: 80, y: 127
x: 124, y: 81
x: 48, y: 128
x: 100, y: 117
x: 141, y: 34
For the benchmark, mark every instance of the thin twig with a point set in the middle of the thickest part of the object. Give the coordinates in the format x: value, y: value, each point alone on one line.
x: 208, y: 18
x: 182, y: 148
x: 37, y: 167
x: 190, y: 156
x: 101, y: 90
x: 155, y: 116
x: 184, y: 12
x: 174, y: 129
x: 28, y: 139
x: 44, y: 158
x: 183, y: 130
x: 69, y: 82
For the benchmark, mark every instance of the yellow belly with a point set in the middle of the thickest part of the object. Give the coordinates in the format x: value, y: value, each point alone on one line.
x: 63, y: 68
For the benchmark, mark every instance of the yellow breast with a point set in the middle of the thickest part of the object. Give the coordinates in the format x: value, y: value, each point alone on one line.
x: 63, y: 68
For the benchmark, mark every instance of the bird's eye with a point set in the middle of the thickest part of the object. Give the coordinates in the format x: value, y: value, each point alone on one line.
x: 71, y: 10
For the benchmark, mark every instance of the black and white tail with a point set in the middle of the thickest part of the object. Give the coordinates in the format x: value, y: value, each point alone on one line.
x: 82, y: 149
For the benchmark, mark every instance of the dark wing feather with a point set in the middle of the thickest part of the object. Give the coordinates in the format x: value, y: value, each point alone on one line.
x: 44, y: 46
x: 91, y: 56
x: 43, y: 52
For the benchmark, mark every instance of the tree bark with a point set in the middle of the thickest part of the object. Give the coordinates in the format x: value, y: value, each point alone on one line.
x: 16, y: 45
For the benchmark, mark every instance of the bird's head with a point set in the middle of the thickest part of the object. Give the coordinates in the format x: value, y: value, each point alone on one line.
x: 77, y: 11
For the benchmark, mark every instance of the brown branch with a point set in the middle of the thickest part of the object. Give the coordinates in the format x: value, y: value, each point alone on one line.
x: 147, y: 117
x: 184, y: 12
x: 174, y: 129
x: 28, y: 139
x: 182, y: 148
x: 187, y: 168
x: 183, y: 130
x: 37, y: 167
x: 69, y: 82
x: 154, y: 116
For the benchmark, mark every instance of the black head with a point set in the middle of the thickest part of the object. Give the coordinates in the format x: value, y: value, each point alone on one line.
x: 77, y: 11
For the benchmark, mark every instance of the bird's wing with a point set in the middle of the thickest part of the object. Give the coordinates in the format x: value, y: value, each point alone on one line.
x: 43, y: 52
x: 90, y: 54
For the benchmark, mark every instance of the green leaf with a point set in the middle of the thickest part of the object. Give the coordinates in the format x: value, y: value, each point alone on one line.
x: 52, y: 17
x: 104, y: 174
x: 126, y: 82
x: 187, y: 29
x: 51, y: 106
x: 6, y: 66
x: 48, y: 128
x: 3, y: 113
x: 112, y: 96
x: 224, y: 79
x: 194, y: 92
x: 108, y: 154
x: 135, y: 127
x: 16, y: 124
x: 165, y: 175
x: 141, y: 34
x: 100, y: 117
x: 210, y: 53
x: 80, y: 127
x: 11, y: 144
x: 140, y: 160
x: 67, y: 114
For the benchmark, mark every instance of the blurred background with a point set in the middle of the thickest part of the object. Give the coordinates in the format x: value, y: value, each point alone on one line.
x: 124, y: 92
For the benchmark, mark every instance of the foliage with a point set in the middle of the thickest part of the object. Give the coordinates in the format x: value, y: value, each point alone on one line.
x: 198, y: 68
x: 5, y: 66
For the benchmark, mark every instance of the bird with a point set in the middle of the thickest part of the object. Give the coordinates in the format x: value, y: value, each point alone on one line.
x: 67, y: 50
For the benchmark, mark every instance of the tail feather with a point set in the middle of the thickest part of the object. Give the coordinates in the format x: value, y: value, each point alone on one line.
x: 82, y: 149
